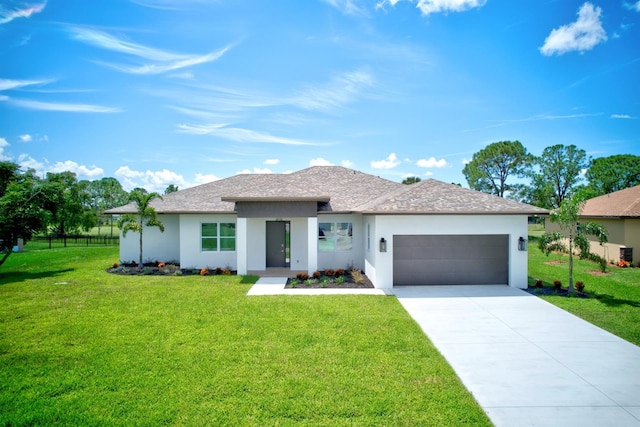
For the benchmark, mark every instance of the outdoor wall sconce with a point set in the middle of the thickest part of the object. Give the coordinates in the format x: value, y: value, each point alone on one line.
x: 383, y: 245
x: 522, y: 244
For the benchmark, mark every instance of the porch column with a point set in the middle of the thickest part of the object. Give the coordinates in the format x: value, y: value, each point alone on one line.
x: 312, y: 244
x: 241, y: 245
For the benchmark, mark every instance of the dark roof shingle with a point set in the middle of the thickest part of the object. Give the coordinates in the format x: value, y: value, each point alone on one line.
x: 336, y: 189
x: 623, y: 203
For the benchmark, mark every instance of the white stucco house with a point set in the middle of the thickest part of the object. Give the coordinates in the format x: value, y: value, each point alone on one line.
x: 428, y: 233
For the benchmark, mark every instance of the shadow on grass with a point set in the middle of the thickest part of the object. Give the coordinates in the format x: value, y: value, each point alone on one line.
x: 21, y: 276
x: 610, y: 301
x: 249, y: 280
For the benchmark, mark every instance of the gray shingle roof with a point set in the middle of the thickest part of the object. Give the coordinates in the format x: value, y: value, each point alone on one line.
x: 623, y: 203
x: 436, y: 197
x: 345, y: 189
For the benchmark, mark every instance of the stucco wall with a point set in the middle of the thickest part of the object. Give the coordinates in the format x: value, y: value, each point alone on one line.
x: 621, y: 233
x: 632, y: 237
x: 381, y: 264
x: 299, y: 246
x: 370, y: 251
x: 191, y: 255
x: 156, y: 246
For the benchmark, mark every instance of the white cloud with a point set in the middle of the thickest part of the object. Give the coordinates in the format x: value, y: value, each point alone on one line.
x: 436, y: 6
x: 256, y: 171
x: 382, y: 3
x: 432, y: 162
x: 25, y: 138
x: 3, y: 144
x: 8, y: 84
x: 165, y: 61
x: 622, y: 116
x: 427, y: 7
x: 389, y: 163
x: 168, y: 4
x: 156, y: 181
x: 466, y: 161
x: 348, y: 7
x: 428, y: 173
x: 8, y: 14
x: 320, y: 162
x: 272, y: 161
x: 343, y: 89
x: 57, y: 106
x: 240, y: 135
x: 176, y: 65
x: 205, y: 178
x: 633, y: 6
x: 81, y: 171
x: 347, y: 164
x: 27, y: 162
x: 581, y: 35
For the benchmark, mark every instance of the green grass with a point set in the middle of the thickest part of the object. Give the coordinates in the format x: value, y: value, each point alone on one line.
x: 615, y: 302
x: 81, y: 347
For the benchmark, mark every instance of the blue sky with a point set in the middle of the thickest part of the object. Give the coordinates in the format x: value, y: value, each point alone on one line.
x: 159, y: 92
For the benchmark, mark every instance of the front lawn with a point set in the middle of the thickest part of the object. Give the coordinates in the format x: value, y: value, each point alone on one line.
x: 615, y: 297
x: 79, y: 346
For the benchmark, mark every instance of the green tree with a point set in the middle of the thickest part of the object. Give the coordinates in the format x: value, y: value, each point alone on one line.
x: 69, y: 213
x: 146, y: 216
x: 490, y: 167
x: 8, y: 172
x: 103, y: 194
x: 567, y: 217
x: 172, y: 188
x: 411, y: 180
x: 613, y: 173
x: 559, y: 176
x: 24, y: 199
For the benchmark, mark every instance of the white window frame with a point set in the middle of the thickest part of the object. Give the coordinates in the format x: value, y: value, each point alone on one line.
x: 334, y: 229
x: 218, y: 237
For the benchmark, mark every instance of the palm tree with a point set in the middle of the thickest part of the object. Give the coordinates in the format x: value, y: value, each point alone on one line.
x: 146, y: 216
x: 567, y: 217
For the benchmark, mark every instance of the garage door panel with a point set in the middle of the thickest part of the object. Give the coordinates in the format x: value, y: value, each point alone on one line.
x: 450, y: 259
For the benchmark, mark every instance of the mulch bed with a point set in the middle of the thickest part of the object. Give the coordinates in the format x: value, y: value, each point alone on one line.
x: 153, y: 269
x: 348, y: 283
x: 551, y: 290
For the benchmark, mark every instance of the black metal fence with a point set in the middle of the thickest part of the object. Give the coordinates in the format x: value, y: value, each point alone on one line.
x: 77, y: 240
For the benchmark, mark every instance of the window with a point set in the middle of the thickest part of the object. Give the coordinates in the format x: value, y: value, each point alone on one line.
x: 218, y: 237
x: 335, y: 236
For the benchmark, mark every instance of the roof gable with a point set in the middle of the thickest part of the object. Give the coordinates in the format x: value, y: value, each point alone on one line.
x: 623, y: 203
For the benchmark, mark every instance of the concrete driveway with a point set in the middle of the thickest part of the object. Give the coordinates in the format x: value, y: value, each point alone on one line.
x: 527, y: 362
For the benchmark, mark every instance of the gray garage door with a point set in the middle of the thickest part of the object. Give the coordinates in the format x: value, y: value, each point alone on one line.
x: 451, y: 260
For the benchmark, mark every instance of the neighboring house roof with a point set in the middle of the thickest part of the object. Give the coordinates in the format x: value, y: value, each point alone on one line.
x: 336, y: 189
x: 620, y: 204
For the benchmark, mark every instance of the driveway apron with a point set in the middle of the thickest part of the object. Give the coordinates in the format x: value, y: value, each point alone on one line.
x: 526, y: 361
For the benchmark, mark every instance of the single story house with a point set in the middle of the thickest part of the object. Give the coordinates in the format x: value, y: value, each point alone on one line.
x: 619, y: 212
x: 428, y: 233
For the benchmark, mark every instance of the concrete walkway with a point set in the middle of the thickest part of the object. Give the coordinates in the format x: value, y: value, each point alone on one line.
x: 527, y: 362
x: 276, y: 286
